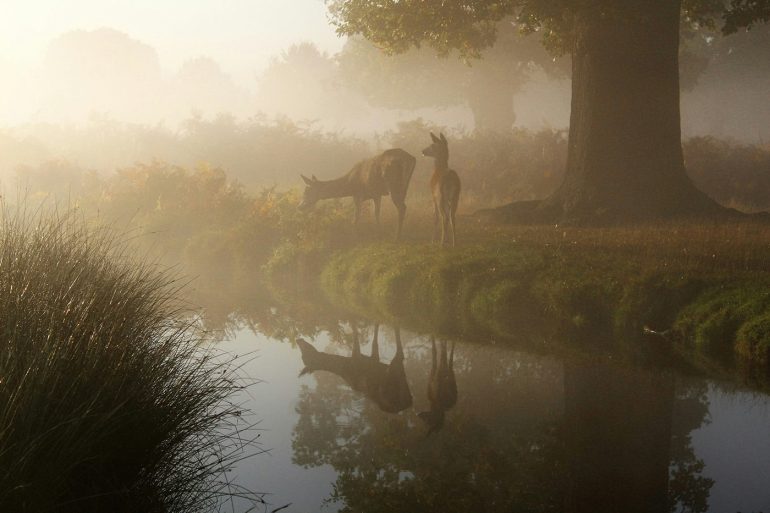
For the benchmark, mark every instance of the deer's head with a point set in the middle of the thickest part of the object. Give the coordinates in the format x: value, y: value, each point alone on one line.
x: 312, y: 192
x: 439, y: 150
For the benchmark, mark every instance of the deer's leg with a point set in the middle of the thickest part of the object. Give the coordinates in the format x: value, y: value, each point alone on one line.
x: 452, y: 223
x: 356, y: 344
x: 357, y: 202
x: 433, y: 355
x: 444, y: 221
x: 442, y: 355
x: 399, y: 347
x: 435, y: 222
x: 401, y: 206
x: 376, y: 343
x: 377, y: 202
x: 452, y: 354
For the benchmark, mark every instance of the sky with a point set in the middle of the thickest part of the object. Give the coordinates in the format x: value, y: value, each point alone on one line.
x: 242, y: 35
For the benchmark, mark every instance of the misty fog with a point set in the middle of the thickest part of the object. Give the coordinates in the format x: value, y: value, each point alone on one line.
x: 93, y: 102
x: 87, y: 80
x: 428, y: 255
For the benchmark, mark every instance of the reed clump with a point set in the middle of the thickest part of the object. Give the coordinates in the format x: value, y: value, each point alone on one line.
x: 108, y: 401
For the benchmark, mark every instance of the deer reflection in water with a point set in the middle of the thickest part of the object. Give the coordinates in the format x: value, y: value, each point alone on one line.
x: 442, y: 387
x: 384, y: 384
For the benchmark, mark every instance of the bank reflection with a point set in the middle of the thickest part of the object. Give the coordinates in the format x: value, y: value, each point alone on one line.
x: 510, y: 432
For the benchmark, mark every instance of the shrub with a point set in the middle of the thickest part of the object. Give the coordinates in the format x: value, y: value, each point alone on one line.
x: 495, y: 167
x: 734, y: 174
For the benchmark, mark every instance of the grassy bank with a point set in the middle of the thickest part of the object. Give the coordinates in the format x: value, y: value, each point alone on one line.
x: 107, y: 400
x: 702, y: 289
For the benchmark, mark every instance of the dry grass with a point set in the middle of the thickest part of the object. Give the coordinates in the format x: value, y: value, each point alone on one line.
x: 694, y: 246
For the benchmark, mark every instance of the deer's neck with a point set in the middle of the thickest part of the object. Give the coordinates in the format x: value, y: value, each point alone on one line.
x: 337, y: 188
x: 441, y: 166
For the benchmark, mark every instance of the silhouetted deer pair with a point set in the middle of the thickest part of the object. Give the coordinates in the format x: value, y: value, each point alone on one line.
x: 385, y: 384
x: 389, y: 174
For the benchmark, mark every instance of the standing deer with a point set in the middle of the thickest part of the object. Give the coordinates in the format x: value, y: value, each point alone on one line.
x: 383, y: 384
x: 442, y: 387
x: 371, y: 179
x: 444, y: 186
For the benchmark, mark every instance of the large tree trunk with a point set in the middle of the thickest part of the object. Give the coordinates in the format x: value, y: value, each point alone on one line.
x: 625, y: 156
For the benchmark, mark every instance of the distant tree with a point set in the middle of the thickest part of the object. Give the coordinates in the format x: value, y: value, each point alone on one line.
x: 418, y: 78
x: 302, y: 84
x: 525, y: 436
x: 200, y: 85
x: 625, y: 155
x: 728, y: 96
x: 101, y: 70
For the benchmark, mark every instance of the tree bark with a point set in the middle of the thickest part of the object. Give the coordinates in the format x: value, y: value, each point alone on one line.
x: 625, y: 157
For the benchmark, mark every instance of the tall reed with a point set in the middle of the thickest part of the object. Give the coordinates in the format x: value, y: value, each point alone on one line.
x: 108, y: 401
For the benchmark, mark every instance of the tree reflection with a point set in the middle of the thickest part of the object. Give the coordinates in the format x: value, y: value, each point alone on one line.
x: 527, y: 434
x: 628, y: 439
x: 688, y: 488
x: 619, y: 433
x: 490, y: 456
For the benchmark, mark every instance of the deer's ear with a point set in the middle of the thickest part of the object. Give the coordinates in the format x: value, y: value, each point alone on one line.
x: 443, y: 139
x: 306, y: 180
x: 434, y: 138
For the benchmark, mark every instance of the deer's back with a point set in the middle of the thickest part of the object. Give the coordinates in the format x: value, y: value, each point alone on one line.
x: 378, y: 175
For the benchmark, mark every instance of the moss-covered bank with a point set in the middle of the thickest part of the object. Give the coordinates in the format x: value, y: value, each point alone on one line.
x: 507, y: 289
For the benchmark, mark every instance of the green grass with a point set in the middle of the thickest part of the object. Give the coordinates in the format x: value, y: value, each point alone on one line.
x: 108, y: 402
x: 705, y: 285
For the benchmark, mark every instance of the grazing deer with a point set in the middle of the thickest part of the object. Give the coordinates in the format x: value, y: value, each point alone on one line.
x: 383, y: 384
x: 444, y: 186
x: 371, y: 179
x: 442, y: 388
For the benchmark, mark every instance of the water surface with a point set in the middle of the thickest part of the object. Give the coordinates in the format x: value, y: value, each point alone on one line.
x: 525, y: 432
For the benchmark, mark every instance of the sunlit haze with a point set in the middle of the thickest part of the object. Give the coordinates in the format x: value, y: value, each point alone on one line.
x: 384, y: 256
x: 240, y: 35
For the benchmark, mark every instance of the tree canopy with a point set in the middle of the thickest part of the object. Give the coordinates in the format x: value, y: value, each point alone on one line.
x: 302, y: 83
x: 625, y: 158
x: 472, y: 25
x: 417, y: 79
